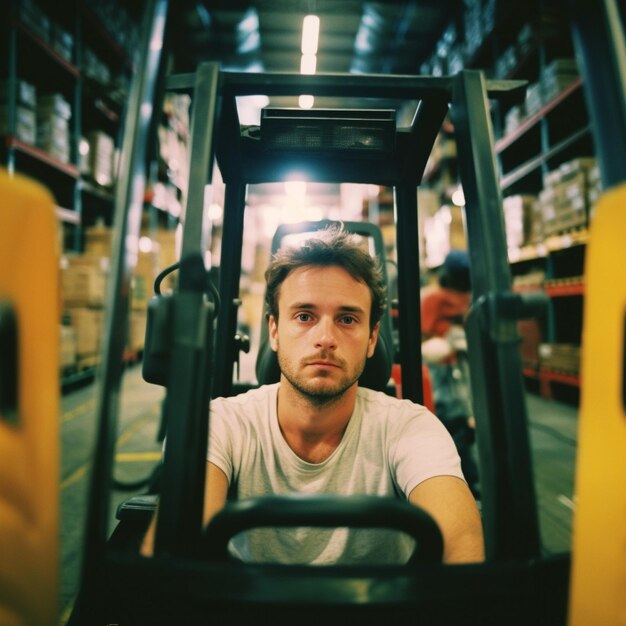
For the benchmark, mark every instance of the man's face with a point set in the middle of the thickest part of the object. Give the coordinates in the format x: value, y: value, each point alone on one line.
x: 323, y: 337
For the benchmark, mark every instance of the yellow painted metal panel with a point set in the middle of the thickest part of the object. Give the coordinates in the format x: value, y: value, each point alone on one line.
x: 29, y: 447
x: 598, y: 589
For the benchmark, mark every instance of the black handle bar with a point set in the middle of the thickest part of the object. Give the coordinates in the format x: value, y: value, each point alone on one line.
x: 324, y: 511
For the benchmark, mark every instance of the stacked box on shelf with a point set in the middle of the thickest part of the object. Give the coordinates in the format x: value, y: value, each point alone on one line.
x: 95, y: 69
x: 137, y: 321
x: 83, y: 292
x: 144, y: 274
x: 514, y: 117
x: 564, y: 201
x: 25, y: 128
x: 67, y: 357
x: 166, y: 246
x: 557, y: 76
x: 87, y: 324
x: 53, y: 133
x: 62, y: 41
x: 534, y: 98
x: 142, y: 291
x: 506, y: 62
x: 83, y: 280
x: 594, y: 188
x: 31, y: 14
x: 98, y: 241
x: 519, y: 220
x: 100, y: 158
x: 473, y: 26
x: 560, y: 357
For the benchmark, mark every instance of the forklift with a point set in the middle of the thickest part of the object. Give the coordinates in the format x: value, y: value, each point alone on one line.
x: 196, y: 344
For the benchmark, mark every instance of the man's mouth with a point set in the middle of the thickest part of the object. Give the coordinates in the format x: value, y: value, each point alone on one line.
x: 322, y: 363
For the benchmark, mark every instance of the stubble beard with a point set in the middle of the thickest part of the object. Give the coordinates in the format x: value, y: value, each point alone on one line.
x: 310, y: 390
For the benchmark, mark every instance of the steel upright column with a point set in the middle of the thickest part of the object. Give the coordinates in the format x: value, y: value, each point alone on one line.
x: 128, y: 210
x: 509, y: 506
x: 187, y: 408
x: 230, y: 273
x: 598, y: 33
x: 409, y: 291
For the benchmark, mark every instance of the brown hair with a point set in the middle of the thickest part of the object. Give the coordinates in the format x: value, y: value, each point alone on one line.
x: 332, y: 246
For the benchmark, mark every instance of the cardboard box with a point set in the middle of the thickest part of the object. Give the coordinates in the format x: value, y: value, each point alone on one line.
x: 67, y: 357
x: 54, y: 103
x: 83, y: 281
x: 26, y: 92
x: 87, y: 324
x: 98, y: 241
x: 25, y: 123
x: 137, y: 330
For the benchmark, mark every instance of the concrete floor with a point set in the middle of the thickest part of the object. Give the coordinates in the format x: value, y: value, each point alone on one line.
x: 552, y: 432
x: 137, y: 454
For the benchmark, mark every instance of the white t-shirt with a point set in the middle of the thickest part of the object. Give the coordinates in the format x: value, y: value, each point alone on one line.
x: 388, y: 448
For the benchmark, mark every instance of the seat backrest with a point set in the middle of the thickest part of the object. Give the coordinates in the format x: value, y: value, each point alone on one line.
x: 29, y: 403
x: 377, y: 370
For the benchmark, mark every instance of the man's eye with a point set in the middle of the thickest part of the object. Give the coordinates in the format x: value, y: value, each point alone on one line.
x: 303, y: 317
x: 348, y: 319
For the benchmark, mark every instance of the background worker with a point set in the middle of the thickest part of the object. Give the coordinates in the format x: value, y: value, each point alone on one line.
x: 444, y: 305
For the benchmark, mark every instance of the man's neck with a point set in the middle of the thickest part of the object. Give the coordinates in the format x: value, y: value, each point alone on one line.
x: 313, y: 430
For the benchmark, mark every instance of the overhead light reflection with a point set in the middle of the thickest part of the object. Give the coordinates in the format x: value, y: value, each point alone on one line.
x: 308, y: 64
x: 458, y: 197
x: 306, y: 102
x: 310, y: 34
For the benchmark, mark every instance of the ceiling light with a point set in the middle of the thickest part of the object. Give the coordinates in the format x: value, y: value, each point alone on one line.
x: 308, y: 63
x: 310, y: 34
x: 306, y: 102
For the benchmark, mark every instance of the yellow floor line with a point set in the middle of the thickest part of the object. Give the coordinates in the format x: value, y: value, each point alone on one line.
x: 67, y: 612
x: 74, y: 477
x: 123, y: 438
x: 135, y: 457
x: 135, y: 426
x: 77, y: 411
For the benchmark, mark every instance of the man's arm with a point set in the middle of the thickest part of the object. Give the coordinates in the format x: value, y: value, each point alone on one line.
x: 215, y: 491
x: 451, y: 504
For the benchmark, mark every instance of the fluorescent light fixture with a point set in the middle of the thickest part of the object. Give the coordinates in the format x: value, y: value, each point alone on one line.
x: 308, y: 63
x: 310, y: 34
x: 306, y: 102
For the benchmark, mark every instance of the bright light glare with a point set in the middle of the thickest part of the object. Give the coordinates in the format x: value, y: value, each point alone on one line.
x: 458, y: 198
x: 310, y: 34
x: 145, y: 244
x: 306, y: 102
x: 215, y: 212
x: 308, y: 64
x: 295, y: 188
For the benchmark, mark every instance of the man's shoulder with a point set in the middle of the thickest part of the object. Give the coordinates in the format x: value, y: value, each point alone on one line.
x: 258, y: 395
x: 382, y: 400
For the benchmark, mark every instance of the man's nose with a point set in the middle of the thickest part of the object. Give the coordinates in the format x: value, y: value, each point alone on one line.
x: 325, y: 337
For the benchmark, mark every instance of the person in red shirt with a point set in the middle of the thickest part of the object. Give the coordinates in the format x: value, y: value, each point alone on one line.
x: 443, y: 309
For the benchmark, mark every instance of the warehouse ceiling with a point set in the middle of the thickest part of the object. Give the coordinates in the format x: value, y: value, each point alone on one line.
x: 392, y: 37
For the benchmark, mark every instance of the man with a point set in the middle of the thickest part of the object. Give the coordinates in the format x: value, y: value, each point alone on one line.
x: 317, y: 432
